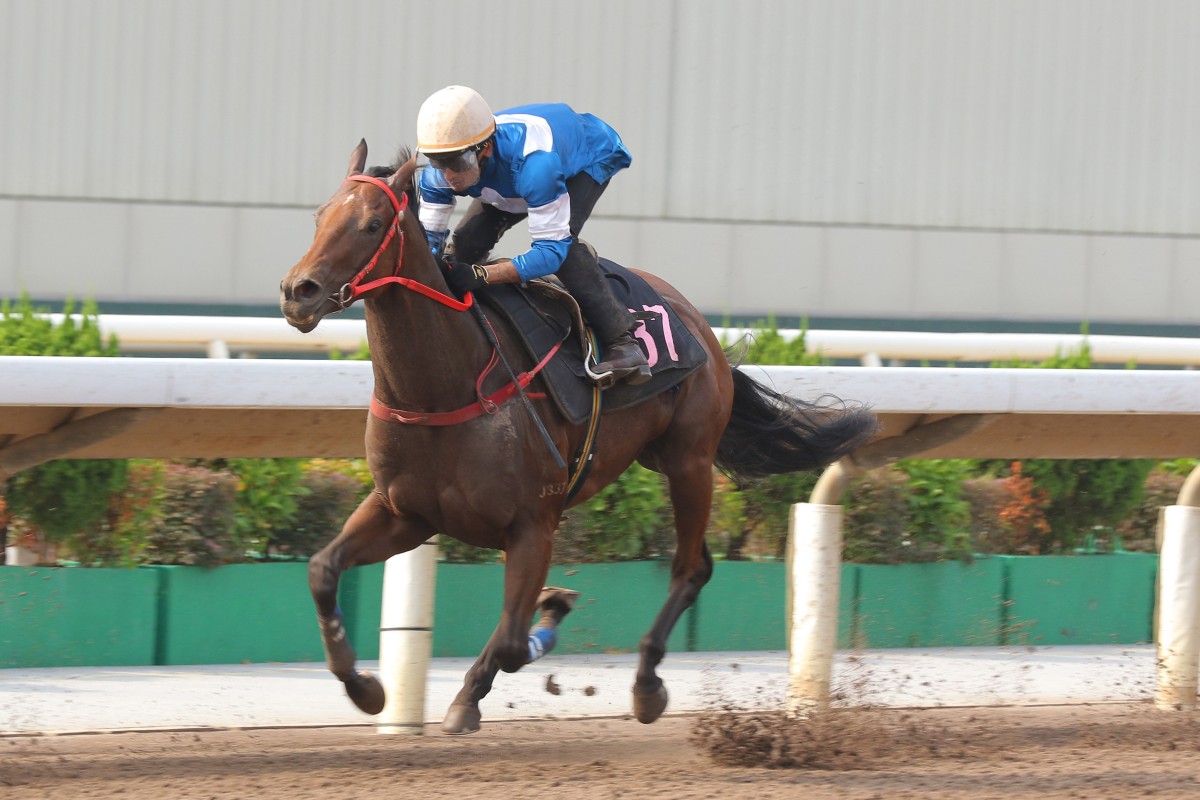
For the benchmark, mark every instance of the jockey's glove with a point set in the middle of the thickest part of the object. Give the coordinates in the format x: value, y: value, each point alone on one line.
x: 463, y: 277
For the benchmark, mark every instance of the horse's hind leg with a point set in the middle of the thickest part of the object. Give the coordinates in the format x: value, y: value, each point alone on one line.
x: 691, y: 495
x: 371, y: 534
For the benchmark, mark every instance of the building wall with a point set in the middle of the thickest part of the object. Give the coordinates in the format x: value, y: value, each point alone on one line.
x: 916, y: 160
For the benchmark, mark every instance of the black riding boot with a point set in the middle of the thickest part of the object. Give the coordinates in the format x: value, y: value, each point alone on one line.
x: 612, y: 322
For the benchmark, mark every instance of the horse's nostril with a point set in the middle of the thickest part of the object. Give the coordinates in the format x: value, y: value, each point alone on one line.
x: 306, y: 289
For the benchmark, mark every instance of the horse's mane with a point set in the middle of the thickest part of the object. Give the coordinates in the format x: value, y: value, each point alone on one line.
x: 402, y: 157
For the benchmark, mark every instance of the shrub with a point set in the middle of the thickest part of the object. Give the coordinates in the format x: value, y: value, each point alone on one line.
x: 912, y: 511
x: 67, y: 501
x: 986, y: 497
x: 122, y: 539
x: 195, y: 523
x: 1023, y: 515
x: 939, y: 516
x: 764, y: 513
x: 1081, y: 494
x: 327, y: 498
x: 267, y: 493
x: 1085, y: 494
x: 765, y: 345
x: 24, y: 332
x: 630, y: 518
x: 877, y: 519
x: 1139, y: 529
x: 727, y: 518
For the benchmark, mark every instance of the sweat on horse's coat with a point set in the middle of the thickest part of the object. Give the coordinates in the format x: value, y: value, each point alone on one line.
x: 484, y: 481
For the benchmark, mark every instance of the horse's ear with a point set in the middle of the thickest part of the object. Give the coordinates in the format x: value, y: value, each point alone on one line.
x: 402, y: 177
x: 358, y: 159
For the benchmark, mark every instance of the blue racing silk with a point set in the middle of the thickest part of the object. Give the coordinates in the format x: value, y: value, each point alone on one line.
x: 537, y: 149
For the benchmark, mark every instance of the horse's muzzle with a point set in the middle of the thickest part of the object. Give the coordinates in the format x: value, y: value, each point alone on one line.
x: 301, y: 304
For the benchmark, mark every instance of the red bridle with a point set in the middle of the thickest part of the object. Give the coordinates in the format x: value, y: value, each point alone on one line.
x: 356, y: 288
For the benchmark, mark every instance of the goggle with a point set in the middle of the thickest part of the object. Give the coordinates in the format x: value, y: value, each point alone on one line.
x: 462, y: 161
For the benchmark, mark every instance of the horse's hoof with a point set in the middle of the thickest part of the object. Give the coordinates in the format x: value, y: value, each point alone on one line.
x: 366, y: 692
x: 555, y: 603
x: 461, y: 719
x: 557, y: 599
x: 649, y: 706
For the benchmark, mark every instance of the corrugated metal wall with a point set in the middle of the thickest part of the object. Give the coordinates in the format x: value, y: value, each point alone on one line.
x: 1062, y: 115
x: 1069, y: 116
x: 228, y: 101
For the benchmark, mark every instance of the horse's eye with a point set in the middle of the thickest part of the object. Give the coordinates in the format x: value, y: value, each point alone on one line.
x: 374, y: 225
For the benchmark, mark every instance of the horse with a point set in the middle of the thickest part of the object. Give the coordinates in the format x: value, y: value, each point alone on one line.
x: 458, y: 454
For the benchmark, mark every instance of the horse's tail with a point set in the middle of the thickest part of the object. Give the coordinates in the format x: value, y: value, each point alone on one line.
x: 771, y: 433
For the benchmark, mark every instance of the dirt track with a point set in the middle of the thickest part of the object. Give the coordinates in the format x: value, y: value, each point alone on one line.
x: 1105, y: 751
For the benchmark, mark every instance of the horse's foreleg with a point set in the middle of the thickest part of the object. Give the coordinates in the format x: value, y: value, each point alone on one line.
x: 463, y: 715
x: 372, y: 534
x: 691, y: 495
x: 513, y: 644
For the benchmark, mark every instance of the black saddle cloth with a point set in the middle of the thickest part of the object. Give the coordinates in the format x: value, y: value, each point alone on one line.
x: 543, y: 322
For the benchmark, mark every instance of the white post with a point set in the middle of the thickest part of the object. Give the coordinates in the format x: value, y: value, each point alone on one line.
x: 17, y: 556
x: 406, y: 638
x: 814, y: 576
x: 1178, y: 609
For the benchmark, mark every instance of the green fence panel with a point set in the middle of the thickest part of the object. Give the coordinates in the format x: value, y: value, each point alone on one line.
x: 240, y: 613
x: 743, y: 607
x: 929, y: 605
x: 263, y: 612
x: 617, y: 605
x: 1100, y: 599
x: 466, y: 608
x: 67, y: 617
x: 850, y: 591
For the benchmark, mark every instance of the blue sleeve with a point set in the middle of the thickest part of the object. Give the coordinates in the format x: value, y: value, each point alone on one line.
x: 544, y: 258
x: 540, y: 181
x: 433, y: 190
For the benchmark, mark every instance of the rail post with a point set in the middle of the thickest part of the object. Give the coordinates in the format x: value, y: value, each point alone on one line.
x: 406, y: 638
x: 1178, y: 606
x: 814, y: 577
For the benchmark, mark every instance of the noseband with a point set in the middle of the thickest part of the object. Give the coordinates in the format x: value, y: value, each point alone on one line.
x: 355, y: 288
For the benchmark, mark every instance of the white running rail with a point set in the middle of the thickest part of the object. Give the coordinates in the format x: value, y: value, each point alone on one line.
x: 221, y: 337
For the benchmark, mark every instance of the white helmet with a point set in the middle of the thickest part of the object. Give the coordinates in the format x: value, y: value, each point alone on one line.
x: 453, y: 119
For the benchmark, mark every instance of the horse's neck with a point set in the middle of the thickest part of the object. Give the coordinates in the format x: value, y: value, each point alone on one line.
x: 426, y: 356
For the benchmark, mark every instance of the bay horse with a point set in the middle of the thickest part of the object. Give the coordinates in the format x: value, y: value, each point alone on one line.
x: 486, y: 476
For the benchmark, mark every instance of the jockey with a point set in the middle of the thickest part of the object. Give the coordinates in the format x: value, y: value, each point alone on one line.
x: 544, y: 161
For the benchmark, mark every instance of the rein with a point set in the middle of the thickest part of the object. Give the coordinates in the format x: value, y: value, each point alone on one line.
x: 356, y: 288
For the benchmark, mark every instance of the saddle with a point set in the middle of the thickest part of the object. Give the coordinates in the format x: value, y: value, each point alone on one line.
x: 543, y: 314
